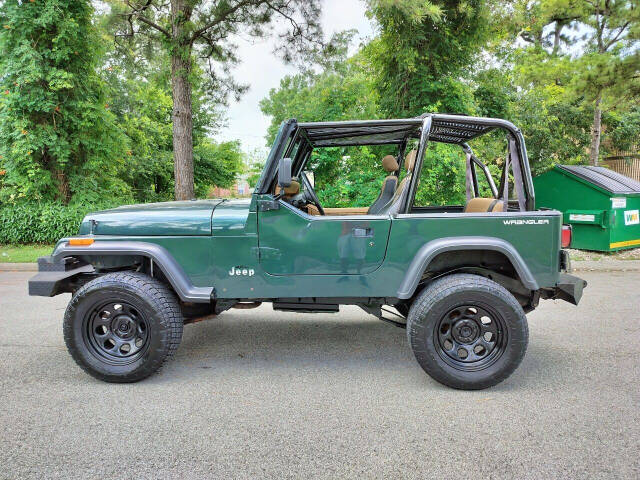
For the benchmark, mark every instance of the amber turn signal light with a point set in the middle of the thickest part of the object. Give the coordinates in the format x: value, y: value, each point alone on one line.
x: 78, y: 242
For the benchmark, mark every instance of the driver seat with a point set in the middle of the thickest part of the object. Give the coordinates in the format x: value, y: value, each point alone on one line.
x: 289, y: 191
x: 392, y: 205
x: 389, y: 184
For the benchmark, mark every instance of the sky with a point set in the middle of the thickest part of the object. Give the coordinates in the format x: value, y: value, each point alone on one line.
x: 262, y: 70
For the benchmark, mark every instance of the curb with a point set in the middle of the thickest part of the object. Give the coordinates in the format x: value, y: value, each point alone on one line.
x: 578, y: 266
x: 18, y: 267
x: 606, y: 266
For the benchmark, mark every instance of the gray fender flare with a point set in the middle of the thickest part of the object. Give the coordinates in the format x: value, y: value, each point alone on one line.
x: 161, y: 259
x: 433, y: 248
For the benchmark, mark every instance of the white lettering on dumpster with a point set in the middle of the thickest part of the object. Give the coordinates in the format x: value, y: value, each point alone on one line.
x: 631, y: 217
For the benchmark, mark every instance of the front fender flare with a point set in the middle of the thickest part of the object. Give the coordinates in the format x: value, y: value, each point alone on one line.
x: 433, y: 248
x: 161, y: 257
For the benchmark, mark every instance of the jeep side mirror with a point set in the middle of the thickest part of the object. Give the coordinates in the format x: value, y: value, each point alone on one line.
x: 284, y: 172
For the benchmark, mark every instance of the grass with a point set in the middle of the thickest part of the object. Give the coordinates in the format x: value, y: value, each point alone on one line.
x: 23, y: 253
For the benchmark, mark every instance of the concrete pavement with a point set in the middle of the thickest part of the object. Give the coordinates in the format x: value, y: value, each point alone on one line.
x: 264, y: 394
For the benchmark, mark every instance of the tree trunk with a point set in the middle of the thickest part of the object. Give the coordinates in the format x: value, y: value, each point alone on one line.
x: 182, y: 129
x: 181, y: 116
x: 64, y: 190
x: 596, y: 129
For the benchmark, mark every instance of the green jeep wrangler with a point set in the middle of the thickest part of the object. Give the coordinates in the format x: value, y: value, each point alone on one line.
x: 459, y: 278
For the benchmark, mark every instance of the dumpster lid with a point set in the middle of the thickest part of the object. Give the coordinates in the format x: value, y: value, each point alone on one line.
x: 604, y: 178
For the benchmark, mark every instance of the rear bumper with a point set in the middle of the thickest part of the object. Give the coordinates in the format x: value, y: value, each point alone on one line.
x: 569, y: 288
x: 55, y: 277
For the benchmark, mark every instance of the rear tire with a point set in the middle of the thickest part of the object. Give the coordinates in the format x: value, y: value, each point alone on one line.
x: 121, y: 327
x: 467, y: 331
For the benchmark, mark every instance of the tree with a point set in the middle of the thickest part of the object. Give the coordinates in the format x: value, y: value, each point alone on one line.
x: 192, y: 30
x: 59, y: 138
x: 140, y: 97
x: 254, y: 164
x: 216, y: 164
x: 590, y: 48
x: 422, y: 50
x: 344, y: 176
x: 343, y: 92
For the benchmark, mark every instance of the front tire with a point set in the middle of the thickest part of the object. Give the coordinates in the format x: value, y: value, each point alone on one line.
x: 467, y: 331
x: 121, y: 327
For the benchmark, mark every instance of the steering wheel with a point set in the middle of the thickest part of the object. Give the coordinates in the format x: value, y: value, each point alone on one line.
x: 310, y: 194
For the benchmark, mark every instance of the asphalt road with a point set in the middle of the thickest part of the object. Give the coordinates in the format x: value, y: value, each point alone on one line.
x: 264, y: 394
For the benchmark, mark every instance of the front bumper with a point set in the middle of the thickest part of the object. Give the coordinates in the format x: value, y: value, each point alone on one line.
x: 56, y: 277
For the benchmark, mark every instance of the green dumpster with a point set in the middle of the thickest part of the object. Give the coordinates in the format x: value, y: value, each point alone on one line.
x: 601, y: 205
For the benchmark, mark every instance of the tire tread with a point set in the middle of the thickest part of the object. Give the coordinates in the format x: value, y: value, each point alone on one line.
x: 440, y: 289
x: 165, y: 304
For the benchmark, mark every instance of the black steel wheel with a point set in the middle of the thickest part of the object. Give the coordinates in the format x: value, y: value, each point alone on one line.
x: 116, y: 332
x: 122, y: 327
x: 467, y: 331
x: 471, y: 337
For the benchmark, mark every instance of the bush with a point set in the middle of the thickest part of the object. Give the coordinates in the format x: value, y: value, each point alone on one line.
x: 41, y: 222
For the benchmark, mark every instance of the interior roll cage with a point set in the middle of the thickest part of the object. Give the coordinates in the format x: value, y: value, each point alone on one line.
x: 297, y: 140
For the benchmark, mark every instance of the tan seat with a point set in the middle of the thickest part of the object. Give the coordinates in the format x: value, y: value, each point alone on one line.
x: 389, y: 184
x: 313, y: 210
x: 409, y: 163
x: 479, y: 205
x: 289, y: 191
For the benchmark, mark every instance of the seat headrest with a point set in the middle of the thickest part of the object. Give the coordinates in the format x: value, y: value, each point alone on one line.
x: 292, y: 189
x: 390, y: 164
x: 410, y: 160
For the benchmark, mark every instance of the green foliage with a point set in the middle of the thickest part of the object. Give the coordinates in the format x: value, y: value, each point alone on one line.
x: 254, y: 164
x: 216, y: 164
x: 626, y: 129
x: 442, y: 179
x: 346, y: 93
x: 42, y: 222
x: 144, y: 108
x: 587, y: 51
x: 349, y: 176
x: 59, y: 138
x: 418, y: 57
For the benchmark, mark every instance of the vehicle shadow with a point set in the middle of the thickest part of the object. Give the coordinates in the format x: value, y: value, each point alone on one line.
x: 295, y: 338
x: 348, y: 343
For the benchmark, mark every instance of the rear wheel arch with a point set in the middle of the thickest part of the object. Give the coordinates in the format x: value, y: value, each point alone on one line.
x: 491, y: 257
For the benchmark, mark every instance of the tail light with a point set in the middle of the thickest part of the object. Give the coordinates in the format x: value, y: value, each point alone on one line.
x: 566, y: 236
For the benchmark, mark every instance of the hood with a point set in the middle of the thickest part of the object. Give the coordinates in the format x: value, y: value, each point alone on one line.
x: 153, y: 219
x: 230, y: 217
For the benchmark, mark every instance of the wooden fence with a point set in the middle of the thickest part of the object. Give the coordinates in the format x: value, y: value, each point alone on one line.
x: 625, y: 162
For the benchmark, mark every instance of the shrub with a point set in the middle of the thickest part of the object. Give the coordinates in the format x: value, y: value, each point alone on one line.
x: 41, y: 222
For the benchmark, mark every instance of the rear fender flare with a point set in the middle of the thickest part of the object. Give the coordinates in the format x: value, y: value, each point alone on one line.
x: 430, y: 250
x: 159, y: 255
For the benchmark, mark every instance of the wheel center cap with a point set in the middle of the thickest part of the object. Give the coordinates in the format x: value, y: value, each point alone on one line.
x: 124, y: 326
x: 465, y: 331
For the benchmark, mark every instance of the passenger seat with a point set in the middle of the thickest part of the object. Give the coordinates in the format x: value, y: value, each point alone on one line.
x: 479, y: 204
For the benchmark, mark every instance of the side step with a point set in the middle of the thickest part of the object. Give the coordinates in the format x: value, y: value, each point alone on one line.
x: 307, y: 307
